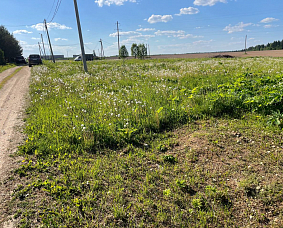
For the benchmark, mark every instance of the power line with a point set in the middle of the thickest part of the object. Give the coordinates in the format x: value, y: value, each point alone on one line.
x: 51, y: 9
x: 66, y: 45
x: 56, y: 10
x: 107, y: 42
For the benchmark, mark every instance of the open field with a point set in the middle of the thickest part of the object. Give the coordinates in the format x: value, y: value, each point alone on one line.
x: 153, y: 143
x: 273, y: 53
x: 240, y: 54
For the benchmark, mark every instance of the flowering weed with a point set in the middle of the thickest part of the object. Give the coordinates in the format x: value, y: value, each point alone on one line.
x: 100, y: 151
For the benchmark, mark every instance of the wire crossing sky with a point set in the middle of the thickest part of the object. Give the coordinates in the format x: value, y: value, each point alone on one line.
x: 168, y: 26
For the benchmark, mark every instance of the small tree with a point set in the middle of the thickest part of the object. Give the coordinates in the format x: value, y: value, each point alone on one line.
x: 134, y: 50
x: 2, y: 58
x: 142, y: 51
x: 123, y: 52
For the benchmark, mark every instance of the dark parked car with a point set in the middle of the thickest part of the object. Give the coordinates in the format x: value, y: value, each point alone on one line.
x: 34, y: 60
x: 20, y: 60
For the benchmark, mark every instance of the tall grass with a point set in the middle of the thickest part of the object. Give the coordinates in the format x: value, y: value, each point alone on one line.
x: 77, y: 121
x: 121, y: 103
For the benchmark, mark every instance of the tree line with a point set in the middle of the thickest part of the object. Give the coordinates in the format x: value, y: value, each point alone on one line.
x: 137, y: 51
x: 9, y: 46
x: 276, y: 45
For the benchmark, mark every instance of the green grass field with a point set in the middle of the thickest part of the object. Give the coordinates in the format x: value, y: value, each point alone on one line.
x: 153, y: 143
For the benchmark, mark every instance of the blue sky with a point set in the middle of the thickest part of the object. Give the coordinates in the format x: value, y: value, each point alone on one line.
x: 167, y: 26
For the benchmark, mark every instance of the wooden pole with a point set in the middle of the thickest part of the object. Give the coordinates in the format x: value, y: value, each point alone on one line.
x: 80, y: 35
x: 49, y: 41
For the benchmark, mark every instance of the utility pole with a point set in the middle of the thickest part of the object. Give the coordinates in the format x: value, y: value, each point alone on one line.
x: 246, y: 44
x: 80, y: 35
x: 148, y: 51
x: 39, y: 50
x: 118, y: 37
x: 49, y: 41
x: 102, y: 51
x: 43, y: 46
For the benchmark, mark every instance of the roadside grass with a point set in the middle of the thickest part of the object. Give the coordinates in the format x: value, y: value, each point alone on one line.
x: 5, y: 80
x: 154, y: 143
x: 6, y: 67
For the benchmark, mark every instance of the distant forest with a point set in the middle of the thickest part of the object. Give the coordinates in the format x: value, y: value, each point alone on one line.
x: 276, y: 45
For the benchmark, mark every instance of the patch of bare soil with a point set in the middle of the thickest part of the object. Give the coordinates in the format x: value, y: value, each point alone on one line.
x: 12, y: 102
x: 246, y: 160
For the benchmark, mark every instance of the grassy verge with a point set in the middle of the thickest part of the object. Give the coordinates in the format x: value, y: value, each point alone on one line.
x: 171, y: 143
x: 5, y: 80
x: 6, y: 67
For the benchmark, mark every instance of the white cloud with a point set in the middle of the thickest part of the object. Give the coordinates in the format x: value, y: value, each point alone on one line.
x: 145, y: 29
x: 237, y: 28
x: 19, y: 32
x: 40, y: 26
x: 208, y: 2
x: 129, y: 33
x: 34, y: 38
x: 269, y: 20
x: 197, y: 46
x: 190, y: 10
x: 178, y: 34
x: 202, y: 42
x: 170, y: 33
x: 270, y: 26
x: 110, y: 2
x: 28, y: 47
x: 188, y: 36
x: 234, y: 43
x: 143, y: 36
x: 159, y: 18
x: 63, y: 39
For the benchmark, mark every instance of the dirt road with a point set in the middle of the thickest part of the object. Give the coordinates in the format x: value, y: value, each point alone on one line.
x: 12, y: 101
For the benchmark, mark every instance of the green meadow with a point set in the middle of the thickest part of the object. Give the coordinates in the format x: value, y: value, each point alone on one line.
x: 153, y: 143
